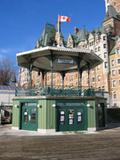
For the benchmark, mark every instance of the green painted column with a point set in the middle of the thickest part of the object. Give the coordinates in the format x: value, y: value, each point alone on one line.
x: 50, y: 115
x: 91, y: 115
x: 41, y: 114
x: 16, y: 115
x: 46, y: 115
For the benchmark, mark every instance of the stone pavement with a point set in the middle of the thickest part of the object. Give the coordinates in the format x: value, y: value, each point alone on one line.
x: 7, y: 130
x: 25, y: 145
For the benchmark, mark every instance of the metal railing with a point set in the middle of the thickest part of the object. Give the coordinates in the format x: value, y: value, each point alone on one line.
x: 59, y: 91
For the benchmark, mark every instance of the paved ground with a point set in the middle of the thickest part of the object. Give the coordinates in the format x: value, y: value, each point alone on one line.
x: 103, y: 145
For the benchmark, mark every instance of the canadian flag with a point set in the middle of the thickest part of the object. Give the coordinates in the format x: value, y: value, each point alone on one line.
x: 63, y: 19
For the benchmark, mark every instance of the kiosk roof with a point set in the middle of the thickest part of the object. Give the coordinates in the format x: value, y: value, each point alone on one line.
x: 64, y: 59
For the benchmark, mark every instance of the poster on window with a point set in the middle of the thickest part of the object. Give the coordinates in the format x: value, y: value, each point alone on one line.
x: 70, y: 121
x: 79, y: 118
x: 62, y: 118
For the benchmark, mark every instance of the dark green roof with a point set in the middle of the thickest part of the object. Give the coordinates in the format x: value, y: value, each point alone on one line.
x: 112, y: 51
x: 82, y: 35
x: 112, y: 13
x: 75, y: 38
x: 99, y: 30
x: 48, y: 35
x: 115, y: 40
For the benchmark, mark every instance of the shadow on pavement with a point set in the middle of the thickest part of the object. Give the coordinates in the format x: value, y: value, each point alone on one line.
x: 112, y: 125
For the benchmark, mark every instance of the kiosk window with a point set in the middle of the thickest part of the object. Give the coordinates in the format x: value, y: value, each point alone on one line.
x: 71, y: 117
x: 62, y: 117
x: 79, y: 117
x: 33, y: 116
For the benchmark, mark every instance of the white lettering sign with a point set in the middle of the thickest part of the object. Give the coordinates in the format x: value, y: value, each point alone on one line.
x: 65, y: 61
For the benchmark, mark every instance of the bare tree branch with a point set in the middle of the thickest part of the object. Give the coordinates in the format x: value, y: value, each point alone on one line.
x: 7, y: 73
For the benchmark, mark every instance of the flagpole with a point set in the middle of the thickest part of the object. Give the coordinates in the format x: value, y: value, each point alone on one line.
x: 58, y: 25
x: 58, y: 28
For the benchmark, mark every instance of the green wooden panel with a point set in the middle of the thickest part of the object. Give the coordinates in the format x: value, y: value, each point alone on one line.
x: 46, y: 114
x: 50, y: 115
x: 91, y: 114
x: 16, y: 114
x: 42, y: 114
x: 101, y: 113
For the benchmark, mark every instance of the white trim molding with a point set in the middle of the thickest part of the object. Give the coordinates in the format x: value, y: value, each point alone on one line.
x: 91, y: 129
x: 47, y: 131
x: 15, y: 128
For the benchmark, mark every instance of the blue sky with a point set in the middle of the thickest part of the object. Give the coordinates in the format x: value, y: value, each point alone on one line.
x: 22, y: 21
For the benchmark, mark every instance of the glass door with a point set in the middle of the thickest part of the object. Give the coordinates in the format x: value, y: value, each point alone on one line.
x: 29, y: 116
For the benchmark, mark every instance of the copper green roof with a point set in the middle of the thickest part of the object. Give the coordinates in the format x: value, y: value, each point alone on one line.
x: 112, y: 13
x: 112, y: 51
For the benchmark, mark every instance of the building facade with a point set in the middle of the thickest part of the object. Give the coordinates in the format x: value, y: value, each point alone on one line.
x: 115, y: 74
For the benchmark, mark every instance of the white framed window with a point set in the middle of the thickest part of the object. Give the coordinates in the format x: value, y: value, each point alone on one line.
x: 112, y: 62
x: 118, y: 61
x: 105, y: 54
x: 118, y: 50
x: 104, y: 37
x: 104, y: 46
x: 113, y: 83
x: 98, y: 48
x: 113, y: 72
x: 93, y: 79
x: 114, y: 95
x: 106, y: 64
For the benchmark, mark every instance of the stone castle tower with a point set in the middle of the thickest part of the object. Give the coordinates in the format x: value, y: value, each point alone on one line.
x: 114, y: 3
x: 112, y: 19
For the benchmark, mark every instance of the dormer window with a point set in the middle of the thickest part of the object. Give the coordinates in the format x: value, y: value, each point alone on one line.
x: 104, y: 37
x: 104, y: 46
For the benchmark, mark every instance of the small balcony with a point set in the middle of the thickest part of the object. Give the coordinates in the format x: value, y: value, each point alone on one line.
x: 58, y: 91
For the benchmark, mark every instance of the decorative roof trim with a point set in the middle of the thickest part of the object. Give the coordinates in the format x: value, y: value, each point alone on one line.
x: 54, y: 49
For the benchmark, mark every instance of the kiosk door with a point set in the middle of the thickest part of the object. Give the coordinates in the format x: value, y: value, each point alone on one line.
x: 101, y: 115
x: 29, y: 116
x: 71, y: 118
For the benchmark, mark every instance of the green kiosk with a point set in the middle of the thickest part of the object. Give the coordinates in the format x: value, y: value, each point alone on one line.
x: 50, y: 109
